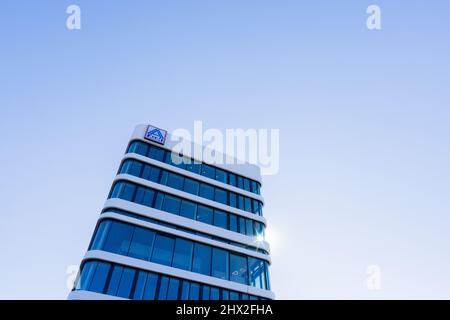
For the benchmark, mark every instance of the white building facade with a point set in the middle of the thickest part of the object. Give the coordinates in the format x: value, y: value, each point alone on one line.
x: 177, y: 231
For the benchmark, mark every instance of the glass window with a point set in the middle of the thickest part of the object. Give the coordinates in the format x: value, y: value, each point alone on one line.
x: 205, y: 214
x: 156, y: 153
x: 155, y: 175
x: 206, y: 191
x: 135, y: 168
x: 221, y: 196
x: 205, y: 292
x: 163, y: 250
x: 182, y: 257
x: 175, y: 181
x: 142, y: 244
x: 126, y: 282
x: 225, y: 294
x: 220, y: 263
x: 164, y: 177
x: 255, y: 206
x: 87, y: 273
x: 139, y: 148
x: 248, y: 204
x: 125, y: 166
x: 116, y: 190
x: 101, y: 235
x: 234, y: 295
x: 220, y: 219
x: 266, y: 264
x: 238, y: 268
x: 207, y: 171
x: 172, y: 293
x: 163, y: 287
x: 233, y: 223
x: 232, y: 179
x: 171, y: 204
x: 99, y: 279
x: 249, y: 227
x: 138, y: 293
x: 254, y: 187
x: 176, y: 159
x: 246, y: 184
x: 185, y: 290
x: 191, y: 186
x: 114, y: 280
x: 188, y: 209
x: 194, y: 167
x: 221, y: 176
x: 158, y: 200
x: 242, y: 225
x: 146, y: 172
x: 233, y: 200
x: 259, y: 229
x: 126, y: 191
x: 202, y: 259
x: 214, y: 294
x: 240, y: 182
x: 194, y: 292
x: 144, y: 196
x: 256, y: 273
x: 244, y: 296
x: 150, y: 287
x: 119, y: 238
x: 241, y: 202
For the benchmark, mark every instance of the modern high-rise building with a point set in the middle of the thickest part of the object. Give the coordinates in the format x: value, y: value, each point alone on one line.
x: 177, y: 231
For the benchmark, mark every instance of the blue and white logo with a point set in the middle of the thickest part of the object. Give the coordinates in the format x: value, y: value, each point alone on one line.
x: 155, y: 134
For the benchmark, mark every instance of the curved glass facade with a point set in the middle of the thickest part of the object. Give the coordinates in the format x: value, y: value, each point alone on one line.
x: 192, y: 186
x: 142, y: 254
x: 255, y: 245
x: 182, y: 253
x: 179, y: 206
x: 163, y: 155
x: 130, y: 283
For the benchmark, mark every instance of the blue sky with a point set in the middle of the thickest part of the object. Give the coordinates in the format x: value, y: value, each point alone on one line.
x: 363, y: 118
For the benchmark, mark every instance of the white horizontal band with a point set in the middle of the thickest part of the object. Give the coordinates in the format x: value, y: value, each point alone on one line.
x: 245, y: 169
x: 90, y: 295
x: 191, y: 175
x: 178, y: 273
x: 183, y: 222
x: 185, y: 235
x: 188, y: 196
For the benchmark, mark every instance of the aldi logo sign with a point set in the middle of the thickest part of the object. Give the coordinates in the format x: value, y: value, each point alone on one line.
x: 156, y: 135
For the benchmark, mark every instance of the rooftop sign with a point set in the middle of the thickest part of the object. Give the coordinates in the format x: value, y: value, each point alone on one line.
x: 156, y: 134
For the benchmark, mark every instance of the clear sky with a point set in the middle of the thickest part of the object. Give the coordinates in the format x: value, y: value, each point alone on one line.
x: 363, y: 116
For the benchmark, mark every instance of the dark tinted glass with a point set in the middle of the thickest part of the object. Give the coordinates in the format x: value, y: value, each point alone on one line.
x: 171, y: 204
x: 163, y: 250
x: 182, y: 257
x: 221, y: 176
x: 205, y: 214
x: 238, y: 268
x: 221, y: 196
x: 119, y: 238
x: 208, y: 171
x: 175, y: 181
x: 202, y: 259
x: 191, y: 186
x: 220, y: 264
x: 220, y: 219
x: 142, y: 244
x: 206, y: 191
x: 188, y: 209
